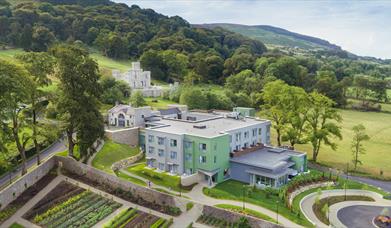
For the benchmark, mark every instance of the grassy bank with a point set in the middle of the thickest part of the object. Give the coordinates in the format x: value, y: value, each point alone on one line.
x: 112, y: 152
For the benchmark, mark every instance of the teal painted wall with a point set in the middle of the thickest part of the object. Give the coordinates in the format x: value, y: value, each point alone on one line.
x: 299, y: 162
x: 215, y: 147
x: 245, y: 111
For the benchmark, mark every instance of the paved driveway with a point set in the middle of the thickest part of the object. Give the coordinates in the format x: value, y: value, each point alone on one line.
x: 359, y: 216
x: 56, y: 147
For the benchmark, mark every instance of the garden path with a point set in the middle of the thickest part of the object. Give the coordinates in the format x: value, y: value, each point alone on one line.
x: 17, y: 217
x: 198, y: 196
x: 307, y: 202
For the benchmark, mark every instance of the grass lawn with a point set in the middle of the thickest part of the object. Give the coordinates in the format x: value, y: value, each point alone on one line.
x: 9, y: 54
x: 16, y: 225
x: 158, y: 103
x: 75, y: 153
x: 112, y: 152
x: 377, y: 156
x: 246, y: 211
x: 130, y: 179
x: 233, y: 190
x: 162, y: 179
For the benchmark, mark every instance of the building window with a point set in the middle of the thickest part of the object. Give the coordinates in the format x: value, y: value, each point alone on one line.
x: 173, y: 155
x: 151, y: 150
x: 202, y: 146
x: 246, y: 134
x: 160, y: 140
x: 259, y: 131
x: 161, y: 166
x: 188, y: 144
x: 189, y: 157
x: 238, y: 136
x: 173, y: 143
x: 127, y: 123
x: 215, y: 159
x: 237, y: 147
x: 150, y: 138
x: 245, y: 145
x: 189, y: 171
x: 161, y: 153
x: 202, y: 159
x: 254, y: 132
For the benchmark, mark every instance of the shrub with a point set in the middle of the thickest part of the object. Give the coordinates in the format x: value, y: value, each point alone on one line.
x: 189, y: 206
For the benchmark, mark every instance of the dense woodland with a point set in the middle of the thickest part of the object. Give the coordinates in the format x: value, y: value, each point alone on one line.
x: 175, y: 51
x: 61, y: 33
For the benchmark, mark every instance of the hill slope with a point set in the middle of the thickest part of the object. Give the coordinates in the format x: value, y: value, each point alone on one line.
x: 274, y: 36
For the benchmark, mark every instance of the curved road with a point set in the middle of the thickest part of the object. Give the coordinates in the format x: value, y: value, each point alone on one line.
x: 56, y: 147
x: 307, y: 202
x: 363, y: 215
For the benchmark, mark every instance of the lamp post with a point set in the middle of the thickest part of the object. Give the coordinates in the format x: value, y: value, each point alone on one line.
x: 277, y: 210
x: 347, y: 178
x: 244, y: 192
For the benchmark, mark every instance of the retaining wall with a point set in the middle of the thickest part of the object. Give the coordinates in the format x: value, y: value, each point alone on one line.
x: 11, y: 192
x: 127, y: 136
x: 124, y: 163
x: 231, y: 216
x: 191, y: 179
x: 308, y: 187
x: 103, y: 178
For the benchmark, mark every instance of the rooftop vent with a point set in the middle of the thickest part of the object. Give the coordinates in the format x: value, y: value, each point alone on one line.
x: 233, y: 115
x: 277, y: 150
x: 200, y: 126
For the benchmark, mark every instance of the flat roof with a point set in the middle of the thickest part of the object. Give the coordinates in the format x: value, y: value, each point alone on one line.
x: 215, y: 126
x: 267, y: 157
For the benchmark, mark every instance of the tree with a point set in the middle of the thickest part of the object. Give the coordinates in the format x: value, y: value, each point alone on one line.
x: 113, y: 90
x: 39, y: 66
x: 191, y: 78
x: 276, y: 105
x: 14, y: 90
x: 79, y: 93
x: 357, y: 146
x: 42, y: 38
x: 297, y: 109
x: 322, y: 121
x: 137, y: 99
x: 194, y: 98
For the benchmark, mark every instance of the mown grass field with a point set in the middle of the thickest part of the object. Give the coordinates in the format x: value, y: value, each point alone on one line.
x: 378, y: 149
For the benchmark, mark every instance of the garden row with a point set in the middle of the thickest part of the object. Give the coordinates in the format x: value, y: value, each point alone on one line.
x: 29, y: 193
x: 130, y: 218
x: 125, y: 195
x: 221, y: 223
x: 84, y: 209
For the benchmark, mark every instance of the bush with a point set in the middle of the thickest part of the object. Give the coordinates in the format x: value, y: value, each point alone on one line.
x: 189, y: 206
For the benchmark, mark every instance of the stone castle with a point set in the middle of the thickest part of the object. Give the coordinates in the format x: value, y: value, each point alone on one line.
x: 138, y: 80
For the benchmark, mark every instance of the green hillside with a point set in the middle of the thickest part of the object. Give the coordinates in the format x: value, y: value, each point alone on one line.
x: 273, y: 36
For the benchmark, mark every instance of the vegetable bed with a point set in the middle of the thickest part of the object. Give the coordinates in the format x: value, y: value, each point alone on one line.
x: 131, y: 218
x: 83, y: 209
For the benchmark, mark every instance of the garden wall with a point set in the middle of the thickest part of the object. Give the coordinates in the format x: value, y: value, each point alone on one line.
x: 308, y: 187
x: 233, y: 217
x: 191, y: 179
x: 124, y: 163
x: 11, y: 192
x: 127, y: 136
x: 150, y: 195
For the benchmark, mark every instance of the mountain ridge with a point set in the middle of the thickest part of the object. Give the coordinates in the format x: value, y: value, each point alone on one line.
x: 282, y: 37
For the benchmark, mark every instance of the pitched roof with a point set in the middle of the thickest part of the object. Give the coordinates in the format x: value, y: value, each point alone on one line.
x: 120, y: 108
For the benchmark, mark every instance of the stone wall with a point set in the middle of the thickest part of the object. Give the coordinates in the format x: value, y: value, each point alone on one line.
x: 103, y: 178
x: 124, y: 163
x: 127, y: 136
x: 191, y: 179
x: 233, y: 217
x: 308, y: 187
x: 11, y: 192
